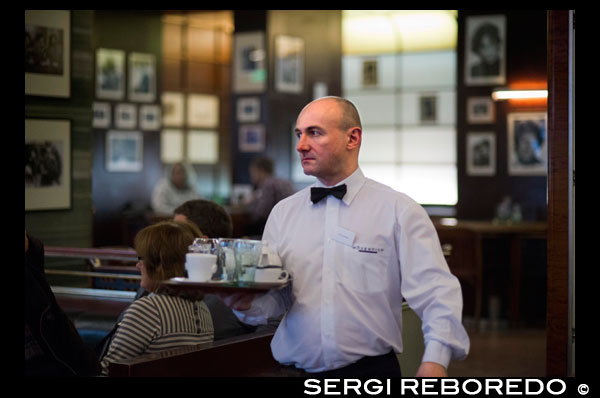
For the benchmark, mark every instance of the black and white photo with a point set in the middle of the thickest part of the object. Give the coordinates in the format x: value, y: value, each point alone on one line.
x: 249, y: 63
x: 172, y: 108
x: 125, y: 116
x: 110, y: 74
x: 102, y: 115
x: 124, y: 151
x: 142, y: 77
x: 47, y: 164
x: 248, y: 109
x: 251, y: 138
x: 428, y: 108
x: 48, y: 53
x: 149, y: 117
x: 289, y: 64
x: 527, y: 144
x: 485, y: 50
x: 369, y: 72
x: 480, y: 110
x: 481, y: 154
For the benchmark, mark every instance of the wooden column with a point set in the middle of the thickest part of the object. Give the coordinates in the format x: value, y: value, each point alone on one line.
x: 558, y: 194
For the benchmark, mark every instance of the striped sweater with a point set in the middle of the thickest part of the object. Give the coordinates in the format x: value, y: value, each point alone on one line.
x: 157, y: 323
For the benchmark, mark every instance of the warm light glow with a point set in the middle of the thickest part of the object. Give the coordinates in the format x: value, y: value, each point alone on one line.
x: 392, y: 31
x: 518, y: 94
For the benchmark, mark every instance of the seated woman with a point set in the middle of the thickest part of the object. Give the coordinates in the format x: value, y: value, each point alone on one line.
x: 160, y: 321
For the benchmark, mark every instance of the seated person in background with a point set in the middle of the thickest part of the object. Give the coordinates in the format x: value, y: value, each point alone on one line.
x: 159, y: 321
x: 212, y: 219
x: 173, y: 191
x: 269, y: 190
x: 53, y: 347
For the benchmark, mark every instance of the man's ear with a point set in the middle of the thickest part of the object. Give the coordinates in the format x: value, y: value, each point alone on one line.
x: 354, y: 138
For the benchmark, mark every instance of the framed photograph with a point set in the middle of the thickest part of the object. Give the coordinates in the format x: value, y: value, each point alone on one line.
x: 369, y: 73
x: 202, y: 111
x: 48, y: 53
x: 124, y: 151
x: 249, y: 60
x: 485, y: 50
x: 102, y: 115
x: 149, y: 117
x: 527, y: 144
x: 289, y: 64
x: 172, y: 109
x: 252, y: 138
x: 142, y: 77
x: 428, y: 108
x: 248, y: 109
x: 47, y: 164
x: 171, y: 146
x: 481, y: 154
x: 110, y: 74
x: 125, y: 116
x: 202, y: 147
x: 480, y: 110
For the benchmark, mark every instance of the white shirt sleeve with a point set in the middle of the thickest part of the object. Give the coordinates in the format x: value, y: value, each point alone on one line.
x: 430, y: 289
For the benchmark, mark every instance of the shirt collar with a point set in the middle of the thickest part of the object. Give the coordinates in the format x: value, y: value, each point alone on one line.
x: 353, y: 183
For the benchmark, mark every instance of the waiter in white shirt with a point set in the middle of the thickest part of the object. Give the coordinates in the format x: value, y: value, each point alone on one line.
x: 354, y: 253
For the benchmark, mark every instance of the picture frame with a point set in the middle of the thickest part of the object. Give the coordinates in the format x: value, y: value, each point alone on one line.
x: 369, y: 72
x: 171, y: 146
x: 172, y: 109
x: 485, y: 50
x: 248, y: 109
x: 202, y: 147
x: 202, y: 111
x: 527, y: 143
x: 124, y: 151
x: 125, y: 116
x: 428, y: 108
x: 47, y: 164
x: 142, y: 77
x: 102, y: 115
x: 480, y: 110
x: 149, y: 117
x: 249, y: 63
x: 48, y: 53
x: 110, y: 74
x: 289, y: 64
x: 251, y: 138
x: 481, y: 153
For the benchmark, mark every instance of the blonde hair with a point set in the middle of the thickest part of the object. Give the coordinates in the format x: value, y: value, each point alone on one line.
x: 163, y: 247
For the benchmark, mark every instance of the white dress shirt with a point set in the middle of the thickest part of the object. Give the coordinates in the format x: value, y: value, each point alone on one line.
x: 352, y: 261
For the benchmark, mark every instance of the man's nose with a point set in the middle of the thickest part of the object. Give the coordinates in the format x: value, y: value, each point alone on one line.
x: 302, y: 145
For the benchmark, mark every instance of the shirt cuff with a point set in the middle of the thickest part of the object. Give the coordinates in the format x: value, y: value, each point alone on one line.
x: 438, y: 353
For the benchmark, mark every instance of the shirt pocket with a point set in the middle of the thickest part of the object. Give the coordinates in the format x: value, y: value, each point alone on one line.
x: 363, y: 271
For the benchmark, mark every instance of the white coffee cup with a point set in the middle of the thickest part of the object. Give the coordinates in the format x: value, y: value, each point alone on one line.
x: 200, y: 267
x: 270, y: 274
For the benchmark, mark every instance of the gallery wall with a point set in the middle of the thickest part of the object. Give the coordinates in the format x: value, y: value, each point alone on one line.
x: 479, y: 194
x: 70, y: 224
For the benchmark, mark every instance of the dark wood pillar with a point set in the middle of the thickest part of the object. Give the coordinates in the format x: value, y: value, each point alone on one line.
x: 557, y: 318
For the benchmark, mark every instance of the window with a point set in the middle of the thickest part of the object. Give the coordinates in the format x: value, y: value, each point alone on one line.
x: 405, y: 91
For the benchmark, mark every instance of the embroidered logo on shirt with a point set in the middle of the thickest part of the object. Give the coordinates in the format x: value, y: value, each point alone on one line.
x: 366, y: 249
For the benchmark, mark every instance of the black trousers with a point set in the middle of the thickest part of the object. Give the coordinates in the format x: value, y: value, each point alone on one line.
x: 379, y: 367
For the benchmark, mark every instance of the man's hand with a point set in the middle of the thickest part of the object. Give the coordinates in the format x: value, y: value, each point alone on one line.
x: 237, y: 301
x: 431, y: 369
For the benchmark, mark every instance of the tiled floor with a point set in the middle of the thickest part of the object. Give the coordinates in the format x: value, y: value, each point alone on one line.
x: 503, y: 353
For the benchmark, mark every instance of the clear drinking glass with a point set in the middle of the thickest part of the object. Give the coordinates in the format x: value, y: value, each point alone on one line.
x: 247, y: 255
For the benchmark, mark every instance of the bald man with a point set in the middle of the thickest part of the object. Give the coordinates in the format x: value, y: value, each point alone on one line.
x: 355, y: 249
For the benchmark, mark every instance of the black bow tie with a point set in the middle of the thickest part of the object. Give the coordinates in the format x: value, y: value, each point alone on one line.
x: 316, y: 194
